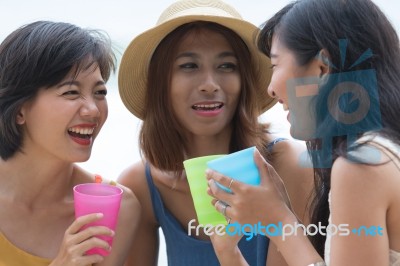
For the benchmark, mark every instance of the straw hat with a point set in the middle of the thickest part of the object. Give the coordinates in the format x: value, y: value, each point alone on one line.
x: 133, y: 70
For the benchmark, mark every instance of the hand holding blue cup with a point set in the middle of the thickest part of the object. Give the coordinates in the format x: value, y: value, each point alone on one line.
x: 239, y: 166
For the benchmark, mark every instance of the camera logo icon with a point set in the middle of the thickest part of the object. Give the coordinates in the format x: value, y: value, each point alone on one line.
x: 343, y: 104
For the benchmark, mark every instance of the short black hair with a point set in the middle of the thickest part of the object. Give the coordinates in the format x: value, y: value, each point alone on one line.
x: 40, y: 55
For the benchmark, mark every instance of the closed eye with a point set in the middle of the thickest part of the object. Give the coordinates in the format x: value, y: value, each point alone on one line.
x: 71, y: 93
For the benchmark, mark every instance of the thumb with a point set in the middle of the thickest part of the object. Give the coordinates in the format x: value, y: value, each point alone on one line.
x: 268, y: 174
x: 262, y: 166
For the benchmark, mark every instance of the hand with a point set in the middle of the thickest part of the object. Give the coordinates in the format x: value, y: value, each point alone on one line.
x: 268, y: 203
x: 76, y: 242
x: 223, y: 242
x: 226, y: 248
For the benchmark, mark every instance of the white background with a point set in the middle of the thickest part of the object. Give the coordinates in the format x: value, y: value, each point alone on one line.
x: 116, y: 146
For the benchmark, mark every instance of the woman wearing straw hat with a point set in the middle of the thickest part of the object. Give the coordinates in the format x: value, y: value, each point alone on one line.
x: 52, y: 106
x: 199, y: 84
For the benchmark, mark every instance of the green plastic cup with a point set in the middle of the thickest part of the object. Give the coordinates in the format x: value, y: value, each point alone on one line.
x: 196, y: 175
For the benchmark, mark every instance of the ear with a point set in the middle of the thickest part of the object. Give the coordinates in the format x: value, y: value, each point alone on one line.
x: 325, y: 64
x: 21, y: 116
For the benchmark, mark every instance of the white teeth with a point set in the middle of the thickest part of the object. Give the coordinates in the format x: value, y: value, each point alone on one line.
x: 215, y: 105
x: 285, y: 107
x: 82, y: 131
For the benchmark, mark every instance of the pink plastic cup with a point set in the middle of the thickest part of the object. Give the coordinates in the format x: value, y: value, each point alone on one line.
x: 98, y: 198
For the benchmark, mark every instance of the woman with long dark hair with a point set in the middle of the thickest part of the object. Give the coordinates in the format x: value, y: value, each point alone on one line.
x: 336, y: 68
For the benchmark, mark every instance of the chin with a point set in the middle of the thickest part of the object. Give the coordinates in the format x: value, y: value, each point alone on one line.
x: 301, y: 133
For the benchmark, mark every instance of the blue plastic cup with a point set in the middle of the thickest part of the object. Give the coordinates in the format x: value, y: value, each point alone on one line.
x: 239, y: 166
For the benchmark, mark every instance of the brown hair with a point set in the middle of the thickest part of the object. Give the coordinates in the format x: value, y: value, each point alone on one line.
x: 161, y: 129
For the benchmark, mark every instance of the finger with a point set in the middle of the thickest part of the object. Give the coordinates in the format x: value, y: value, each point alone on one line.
x: 88, y: 260
x: 267, y: 170
x: 93, y: 231
x: 223, y: 208
x: 83, y: 220
x: 263, y: 167
x: 216, y: 192
x: 94, y: 242
x: 221, y: 179
x: 214, y: 201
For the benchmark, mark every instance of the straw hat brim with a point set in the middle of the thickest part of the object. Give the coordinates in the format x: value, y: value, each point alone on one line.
x: 133, y: 70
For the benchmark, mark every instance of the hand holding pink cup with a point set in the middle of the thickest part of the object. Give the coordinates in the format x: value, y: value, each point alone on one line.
x: 98, y: 198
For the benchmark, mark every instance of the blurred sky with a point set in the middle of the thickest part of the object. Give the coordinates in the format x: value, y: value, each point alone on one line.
x: 116, y: 146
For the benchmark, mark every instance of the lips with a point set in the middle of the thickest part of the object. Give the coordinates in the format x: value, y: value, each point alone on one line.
x: 82, y: 134
x: 207, y: 107
x: 285, y: 107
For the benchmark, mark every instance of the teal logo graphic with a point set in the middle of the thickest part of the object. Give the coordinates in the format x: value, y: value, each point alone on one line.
x: 342, y: 104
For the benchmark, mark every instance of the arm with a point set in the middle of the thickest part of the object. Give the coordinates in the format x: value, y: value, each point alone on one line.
x: 144, y: 248
x: 360, y: 196
x: 267, y: 203
x: 128, y: 222
x: 298, y: 182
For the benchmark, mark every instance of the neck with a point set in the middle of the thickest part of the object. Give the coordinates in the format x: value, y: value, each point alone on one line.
x: 202, y: 145
x: 35, y: 182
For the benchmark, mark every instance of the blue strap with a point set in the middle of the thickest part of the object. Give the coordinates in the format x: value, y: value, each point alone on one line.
x: 270, y: 145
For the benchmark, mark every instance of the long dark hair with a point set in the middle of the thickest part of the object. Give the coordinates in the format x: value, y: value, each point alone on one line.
x: 306, y: 27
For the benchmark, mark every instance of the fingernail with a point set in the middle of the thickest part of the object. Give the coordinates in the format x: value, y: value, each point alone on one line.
x: 212, y: 185
x: 99, y: 215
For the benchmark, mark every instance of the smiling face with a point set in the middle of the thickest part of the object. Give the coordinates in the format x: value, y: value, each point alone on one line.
x: 205, y: 84
x: 295, y: 87
x: 62, y: 121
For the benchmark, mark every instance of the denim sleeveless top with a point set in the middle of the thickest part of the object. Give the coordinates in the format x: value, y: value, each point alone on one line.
x: 184, y: 250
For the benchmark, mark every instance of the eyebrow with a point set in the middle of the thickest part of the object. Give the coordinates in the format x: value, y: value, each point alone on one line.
x: 77, y: 83
x: 273, y: 55
x: 194, y: 55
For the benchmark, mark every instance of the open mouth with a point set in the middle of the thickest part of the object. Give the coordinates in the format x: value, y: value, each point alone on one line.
x: 83, y: 133
x: 207, y: 107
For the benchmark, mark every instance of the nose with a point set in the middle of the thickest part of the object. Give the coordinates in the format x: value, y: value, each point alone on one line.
x: 271, y: 91
x: 209, y: 83
x: 89, y: 108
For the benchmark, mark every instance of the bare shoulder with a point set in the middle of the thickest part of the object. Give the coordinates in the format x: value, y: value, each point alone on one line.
x: 288, y: 151
x: 356, y: 179
x: 134, y: 178
x: 144, y: 248
x: 288, y: 158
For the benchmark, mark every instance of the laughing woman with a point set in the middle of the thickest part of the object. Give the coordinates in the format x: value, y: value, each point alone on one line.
x: 350, y: 52
x: 52, y: 107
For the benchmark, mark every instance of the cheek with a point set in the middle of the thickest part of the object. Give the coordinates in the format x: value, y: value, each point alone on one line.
x: 104, y: 108
x: 278, y: 83
x: 233, y: 88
